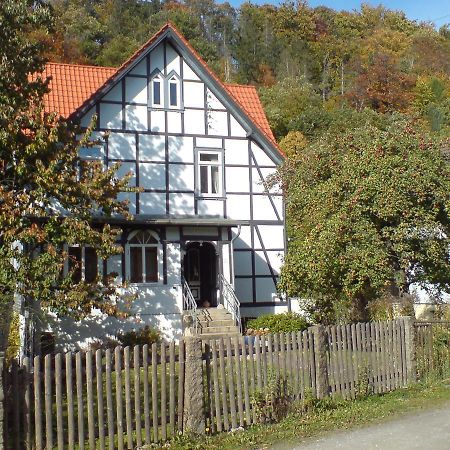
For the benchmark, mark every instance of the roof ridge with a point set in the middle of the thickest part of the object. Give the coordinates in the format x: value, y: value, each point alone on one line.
x: 55, y: 63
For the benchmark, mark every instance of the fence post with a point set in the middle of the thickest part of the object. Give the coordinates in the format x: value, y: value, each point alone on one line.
x: 410, y: 350
x: 194, y: 418
x: 2, y: 401
x: 320, y: 358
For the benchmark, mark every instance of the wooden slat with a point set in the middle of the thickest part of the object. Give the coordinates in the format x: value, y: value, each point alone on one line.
x: 80, y: 403
x: 337, y: 365
x: 276, y: 355
x: 119, y: 398
x: 294, y: 366
x: 209, y: 401
x: 231, y: 387
x: 137, y: 395
x: 283, y: 359
x: 37, y: 404
x: 215, y: 372
x: 403, y: 352
x: 146, y: 394
x: 258, y: 362
x: 301, y: 364
x: 239, y: 382
x: 396, y: 354
x: 374, y: 357
x: 264, y: 364
x: 100, y: 403
x: 16, y: 434
x: 357, y: 360
x: 48, y: 401
x: 127, y: 380
x: 312, y: 365
x: 109, y: 398
x: 349, y: 358
x: 70, y: 407
x: 251, y: 373
x: 172, y: 388
x: 90, y: 400
x: 59, y: 401
x: 380, y: 330
x: 180, y: 385
x: 155, y: 391
x: 289, y: 362
x: 163, y: 393
x: 223, y: 380
x: 248, y: 413
x: 26, y: 367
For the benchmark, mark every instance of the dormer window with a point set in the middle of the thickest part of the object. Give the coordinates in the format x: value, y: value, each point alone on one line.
x: 157, y: 91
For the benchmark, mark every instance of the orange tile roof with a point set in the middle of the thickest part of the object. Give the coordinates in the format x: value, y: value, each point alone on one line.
x: 247, y: 97
x: 72, y: 86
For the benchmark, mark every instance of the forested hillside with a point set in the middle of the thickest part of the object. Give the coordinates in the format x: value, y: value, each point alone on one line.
x: 316, y: 67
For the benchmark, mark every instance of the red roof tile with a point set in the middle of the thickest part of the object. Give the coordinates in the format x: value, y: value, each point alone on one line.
x: 72, y: 86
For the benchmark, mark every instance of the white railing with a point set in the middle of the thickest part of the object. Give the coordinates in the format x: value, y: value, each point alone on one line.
x: 230, y: 301
x: 190, y: 306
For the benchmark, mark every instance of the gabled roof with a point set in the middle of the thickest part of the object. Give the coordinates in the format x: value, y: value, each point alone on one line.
x: 74, y: 88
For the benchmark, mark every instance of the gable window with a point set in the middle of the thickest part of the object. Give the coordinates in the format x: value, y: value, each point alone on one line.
x: 173, y: 92
x: 142, y: 257
x: 157, y: 91
x: 165, y: 91
x: 83, y: 263
x: 90, y: 159
x: 209, y: 173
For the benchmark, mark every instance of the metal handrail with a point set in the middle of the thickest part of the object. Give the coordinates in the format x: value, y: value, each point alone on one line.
x: 190, y: 305
x: 231, y: 302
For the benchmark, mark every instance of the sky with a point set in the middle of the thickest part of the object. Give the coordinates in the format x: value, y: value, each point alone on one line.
x: 436, y: 11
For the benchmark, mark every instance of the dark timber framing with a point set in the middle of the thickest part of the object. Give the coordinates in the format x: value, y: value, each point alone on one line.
x: 168, y: 192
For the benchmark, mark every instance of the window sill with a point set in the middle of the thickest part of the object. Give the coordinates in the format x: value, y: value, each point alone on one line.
x: 157, y: 108
x: 210, y: 197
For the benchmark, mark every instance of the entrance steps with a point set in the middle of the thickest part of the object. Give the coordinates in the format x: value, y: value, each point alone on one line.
x: 215, y: 323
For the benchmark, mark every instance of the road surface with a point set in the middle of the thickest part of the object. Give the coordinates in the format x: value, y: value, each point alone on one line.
x: 424, y: 430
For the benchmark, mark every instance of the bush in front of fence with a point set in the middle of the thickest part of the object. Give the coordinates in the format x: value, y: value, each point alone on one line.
x: 278, y: 323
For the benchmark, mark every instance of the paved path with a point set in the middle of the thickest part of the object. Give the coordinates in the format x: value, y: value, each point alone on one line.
x: 424, y: 430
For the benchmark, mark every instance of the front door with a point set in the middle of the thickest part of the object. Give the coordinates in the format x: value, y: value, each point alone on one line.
x: 200, y: 273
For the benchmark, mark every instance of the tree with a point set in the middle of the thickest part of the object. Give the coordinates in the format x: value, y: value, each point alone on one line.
x: 45, y: 201
x: 368, y: 211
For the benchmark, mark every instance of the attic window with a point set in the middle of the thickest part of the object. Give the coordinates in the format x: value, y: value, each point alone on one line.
x: 157, y: 91
x: 173, y: 92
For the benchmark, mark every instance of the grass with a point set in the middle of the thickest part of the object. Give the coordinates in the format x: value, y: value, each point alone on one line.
x: 322, y: 417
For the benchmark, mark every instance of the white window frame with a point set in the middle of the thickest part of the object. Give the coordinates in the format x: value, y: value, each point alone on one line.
x: 173, y: 78
x: 209, y: 164
x: 165, y: 83
x: 159, y: 257
x: 83, y: 261
x: 158, y: 76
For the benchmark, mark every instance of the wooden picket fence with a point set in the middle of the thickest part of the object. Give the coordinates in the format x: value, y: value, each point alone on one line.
x: 433, y: 348
x: 127, y: 397
x: 122, y: 397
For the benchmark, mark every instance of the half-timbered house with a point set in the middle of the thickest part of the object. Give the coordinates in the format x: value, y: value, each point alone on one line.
x: 206, y: 232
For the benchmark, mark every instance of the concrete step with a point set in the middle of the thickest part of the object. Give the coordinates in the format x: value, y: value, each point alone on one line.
x: 219, y: 329
x: 214, y: 336
x: 216, y: 323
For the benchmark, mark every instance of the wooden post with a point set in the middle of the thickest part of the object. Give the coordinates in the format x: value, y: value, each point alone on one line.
x: 410, y: 350
x: 194, y: 421
x: 320, y: 358
x: 2, y: 401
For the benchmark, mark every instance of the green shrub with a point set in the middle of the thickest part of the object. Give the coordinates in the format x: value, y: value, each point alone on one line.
x: 145, y: 335
x: 279, y: 323
x: 13, y: 345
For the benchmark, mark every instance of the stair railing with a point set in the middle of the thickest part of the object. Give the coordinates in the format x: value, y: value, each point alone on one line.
x: 190, y: 305
x: 231, y: 302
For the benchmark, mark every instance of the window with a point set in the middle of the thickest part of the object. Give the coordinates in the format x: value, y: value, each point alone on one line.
x: 209, y: 173
x: 173, y: 92
x: 142, y: 257
x: 90, y: 159
x: 165, y: 91
x: 157, y: 91
x: 83, y: 263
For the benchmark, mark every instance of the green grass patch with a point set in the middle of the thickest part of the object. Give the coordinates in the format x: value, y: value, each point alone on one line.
x: 321, y: 417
